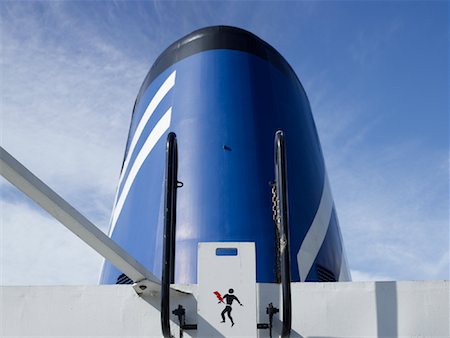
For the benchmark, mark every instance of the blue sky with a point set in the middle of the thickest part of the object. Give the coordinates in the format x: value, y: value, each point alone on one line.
x: 376, y: 74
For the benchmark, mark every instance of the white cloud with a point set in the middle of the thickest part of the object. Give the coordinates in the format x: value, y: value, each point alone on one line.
x: 370, y: 45
x: 38, y: 250
x: 66, y: 105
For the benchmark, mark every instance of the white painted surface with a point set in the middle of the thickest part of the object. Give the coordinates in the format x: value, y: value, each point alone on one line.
x: 219, y: 274
x: 353, y: 309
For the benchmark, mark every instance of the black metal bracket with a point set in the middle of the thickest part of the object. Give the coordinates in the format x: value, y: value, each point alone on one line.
x: 271, y: 311
x: 283, y: 214
x: 180, y: 312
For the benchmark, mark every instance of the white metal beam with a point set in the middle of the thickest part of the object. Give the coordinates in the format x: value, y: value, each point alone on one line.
x: 55, y: 205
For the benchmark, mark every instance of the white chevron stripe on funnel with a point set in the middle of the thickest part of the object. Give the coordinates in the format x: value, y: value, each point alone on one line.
x: 316, y: 234
x: 157, y: 132
x: 156, y: 100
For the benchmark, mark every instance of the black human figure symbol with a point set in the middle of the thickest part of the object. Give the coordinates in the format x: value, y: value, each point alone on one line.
x: 229, y: 298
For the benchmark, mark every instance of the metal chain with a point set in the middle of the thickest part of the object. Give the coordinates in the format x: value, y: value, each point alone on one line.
x: 275, y: 205
x: 277, y: 222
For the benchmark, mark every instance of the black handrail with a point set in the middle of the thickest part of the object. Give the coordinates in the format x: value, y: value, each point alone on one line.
x: 283, y: 214
x: 170, y: 205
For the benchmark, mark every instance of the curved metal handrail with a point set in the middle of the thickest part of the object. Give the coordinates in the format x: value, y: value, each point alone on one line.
x: 170, y: 204
x: 283, y: 214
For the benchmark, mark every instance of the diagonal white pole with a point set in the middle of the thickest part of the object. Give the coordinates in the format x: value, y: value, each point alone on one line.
x: 55, y: 205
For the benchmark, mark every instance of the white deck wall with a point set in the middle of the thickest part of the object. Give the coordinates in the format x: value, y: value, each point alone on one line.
x: 356, y: 309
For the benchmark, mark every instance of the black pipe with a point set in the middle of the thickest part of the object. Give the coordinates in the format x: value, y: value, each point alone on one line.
x: 283, y: 214
x: 170, y: 204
